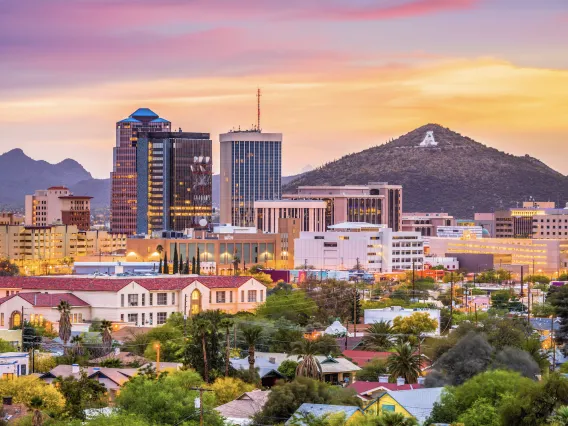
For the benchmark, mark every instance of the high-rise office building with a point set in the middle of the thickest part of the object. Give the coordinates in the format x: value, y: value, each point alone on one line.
x: 123, y: 176
x: 251, y: 169
x: 174, y: 190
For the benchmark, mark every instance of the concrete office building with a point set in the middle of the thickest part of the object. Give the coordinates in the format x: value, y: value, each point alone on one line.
x: 310, y: 214
x: 375, y: 203
x: 375, y: 247
x: 174, y: 189
x: 459, y: 231
x: 9, y: 218
x: 426, y: 223
x: 487, y: 222
x: 251, y: 170
x: 123, y: 176
x: 57, y: 205
x: 548, y: 256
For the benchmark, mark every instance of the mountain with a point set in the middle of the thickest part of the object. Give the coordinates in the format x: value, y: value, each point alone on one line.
x: 455, y: 174
x: 21, y: 175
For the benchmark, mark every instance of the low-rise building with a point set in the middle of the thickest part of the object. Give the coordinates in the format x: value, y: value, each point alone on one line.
x: 426, y: 223
x: 9, y: 218
x: 242, y: 410
x: 310, y: 214
x: 141, y: 301
x: 373, y: 248
x: 13, y: 364
x: 448, y: 263
x: 370, y: 390
x: 416, y: 403
x: 350, y: 413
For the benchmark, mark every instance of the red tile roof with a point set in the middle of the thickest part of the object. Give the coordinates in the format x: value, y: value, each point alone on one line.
x: 58, y: 187
x: 52, y: 300
x: 362, y: 358
x: 116, y: 284
x: 364, y: 387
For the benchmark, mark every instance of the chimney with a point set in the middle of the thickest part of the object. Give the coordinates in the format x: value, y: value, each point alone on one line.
x: 383, y: 379
x: 400, y: 381
x: 421, y: 381
x: 75, y: 369
x: 7, y: 400
x: 272, y: 360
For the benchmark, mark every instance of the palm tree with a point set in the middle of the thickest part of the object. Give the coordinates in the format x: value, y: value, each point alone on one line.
x: 64, y: 321
x: 106, y: 327
x: 236, y: 261
x: 203, y: 328
x: 227, y: 323
x: 405, y: 363
x: 159, y: 249
x: 395, y: 419
x: 36, y: 403
x: 77, y: 341
x: 379, y: 336
x: 252, y: 335
x: 309, y: 366
x: 560, y: 417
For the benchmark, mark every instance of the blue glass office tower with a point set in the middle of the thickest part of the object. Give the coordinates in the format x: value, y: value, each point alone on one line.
x: 251, y: 170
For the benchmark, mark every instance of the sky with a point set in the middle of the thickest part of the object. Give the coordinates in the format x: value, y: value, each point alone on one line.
x: 336, y: 76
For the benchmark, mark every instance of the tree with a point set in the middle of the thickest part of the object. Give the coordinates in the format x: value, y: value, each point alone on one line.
x: 558, y: 298
x: 167, y: 399
x: 186, y: 267
x: 308, y: 366
x: 470, y: 356
x: 560, y: 417
x: 227, y: 389
x: 542, y: 279
x: 203, y: 328
x: 481, y: 413
x: 215, y: 355
x: 392, y: 419
x: 251, y: 335
x: 77, y: 342
x: 286, y: 397
x: 294, y: 306
x: 64, y: 321
x: 193, y: 266
x: 379, y: 336
x: 372, y: 370
x: 227, y: 323
x: 263, y: 278
x: 36, y: 404
x: 106, y: 328
x: 198, y: 263
x: 170, y: 340
x: 160, y: 267
x: 6, y: 346
x: 180, y: 264
x: 44, y: 363
x: 8, y: 269
x: 236, y: 261
x: 500, y: 299
x: 80, y: 394
x: 517, y: 360
x: 288, y: 369
x: 166, y: 267
x: 285, y: 334
x: 175, y: 260
x: 356, y: 310
x: 405, y: 363
x: 415, y: 324
x: 24, y: 388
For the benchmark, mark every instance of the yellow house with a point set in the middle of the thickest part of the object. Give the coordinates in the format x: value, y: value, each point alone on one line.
x: 350, y: 413
x: 417, y: 403
x: 385, y: 403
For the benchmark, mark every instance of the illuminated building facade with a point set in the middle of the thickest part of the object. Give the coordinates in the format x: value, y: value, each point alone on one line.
x: 310, y: 214
x: 174, y: 188
x: 426, y: 223
x: 549, y: 256
x: 376, y: 203
x: 123, y: 177
x: 57, y: 205
x: 251, y: 170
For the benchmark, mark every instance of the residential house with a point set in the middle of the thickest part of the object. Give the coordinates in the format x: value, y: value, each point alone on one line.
x: 241, y: 410
x: 125, y: 358
x: 417, y: 403
x: 139, y: 301
x: 267, y: 369
x: 13, y: 364
x: 362, y: 358
x: 368, y: 391
x: 351, y: 412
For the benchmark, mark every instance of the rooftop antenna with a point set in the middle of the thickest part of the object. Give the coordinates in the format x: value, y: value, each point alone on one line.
x: 258, y: 109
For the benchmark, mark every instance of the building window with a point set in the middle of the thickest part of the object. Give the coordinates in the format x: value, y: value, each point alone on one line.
x: 173, y: 298
x: 242, y: 296
x: 122, y: 300
x: 161, y: 318
x: 23, y: 369
x: 133, y: 318
x: 220, y: 297
x: 143, y: 299
x: 262, y: 295
x: 151, y: 299
x: 2, y: 319
x: 251, y: 296
x: 230, y: 300
x: 388, y: 407
x: 210, y: 297
x: 162, y: 299
x: 151, y: 318
x: 143, y: 318
x: 122, y: 317
x: 132, y: 300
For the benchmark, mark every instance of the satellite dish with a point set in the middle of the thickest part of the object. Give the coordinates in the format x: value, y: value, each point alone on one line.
x: 202, y: 222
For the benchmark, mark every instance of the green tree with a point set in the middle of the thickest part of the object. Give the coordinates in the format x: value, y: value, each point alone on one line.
x: 558, y: 298
x: 309, y: 366
x: 251, y: 335
x: 203, y: 328
x: 227, y: 389
x: 500, y: 299
x: 415, y: 324
x: 186, y: 267
x: 167, y: 400
x: 160, y: 267
x: 198, y: 263
x: 64, y: 321
x: 6, y: 346
x: 481, y: 413
x: 285, y: 334
x: 560, y: 417
x: 372, y: 370
x: 166, y: 267
x: 106, y: 327
x: 215, y: 355
x: 379, y: 336
x: 193, y: 266
x: 286, y: 397
x: 77, y: 342
x: 8, y: 269
x: 542, y: 279
x: 294, y: 306
x: 392, y: 419
x: 404, y: 362
x: 175, y: 260
x: 227, y: 323
x: 80, y: 394
x: 288, y: 368
x: 170, y: 340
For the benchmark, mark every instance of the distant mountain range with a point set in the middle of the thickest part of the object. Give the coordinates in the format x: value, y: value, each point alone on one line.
x: 21, y: 175
x: 455, y: 174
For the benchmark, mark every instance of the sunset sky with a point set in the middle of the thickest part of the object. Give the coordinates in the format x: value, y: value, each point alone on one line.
x: 337, y: 75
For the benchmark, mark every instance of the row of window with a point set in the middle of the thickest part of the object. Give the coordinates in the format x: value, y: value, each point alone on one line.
x: 161, y: 299
x: 161, y: 318
x: 221, y: 296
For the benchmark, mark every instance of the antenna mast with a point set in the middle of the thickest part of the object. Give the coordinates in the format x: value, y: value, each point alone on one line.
x: 258, y: 109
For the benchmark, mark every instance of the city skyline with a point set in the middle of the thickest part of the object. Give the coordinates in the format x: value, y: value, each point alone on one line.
x: 335, y: 79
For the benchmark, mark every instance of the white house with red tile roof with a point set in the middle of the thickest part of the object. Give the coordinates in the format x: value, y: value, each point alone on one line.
x: 141, y: 301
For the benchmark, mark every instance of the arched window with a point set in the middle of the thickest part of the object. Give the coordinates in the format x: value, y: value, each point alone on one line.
x: 16, y: 320
x: 195, y: 304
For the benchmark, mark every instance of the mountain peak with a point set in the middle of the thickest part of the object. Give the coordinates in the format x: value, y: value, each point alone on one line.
x: 16, y: 152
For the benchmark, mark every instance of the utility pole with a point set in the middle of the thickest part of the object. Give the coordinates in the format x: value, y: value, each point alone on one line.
x: 201, y: 390
x: 185, y: 317
x: 355, y: 312
x: 522, y: 283
x: 475, y: 305
x: 413, y: 283
x: 529, y: 297
x: 552, y: 343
